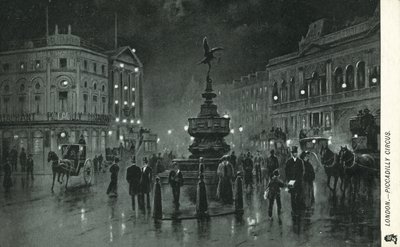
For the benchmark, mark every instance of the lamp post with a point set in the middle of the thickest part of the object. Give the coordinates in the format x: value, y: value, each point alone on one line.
x: 241, y: 130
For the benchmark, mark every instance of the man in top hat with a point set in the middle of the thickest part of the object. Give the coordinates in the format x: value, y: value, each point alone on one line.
x: 308, y: 180
x: 29, y: 166
x: 112, y: 187
x: 175, y: 179
x: 248, y: 171
x: 272, y: 163
x: 133, y: 175
x: 146, y: 181
x: 294, y: 169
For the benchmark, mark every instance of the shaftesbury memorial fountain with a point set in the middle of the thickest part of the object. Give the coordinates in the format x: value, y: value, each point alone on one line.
x: 208, y: 130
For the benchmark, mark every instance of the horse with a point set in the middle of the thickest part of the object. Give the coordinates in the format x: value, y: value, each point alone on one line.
x: 357, y: 169
x: 333, y: 168
x: 59, y: 167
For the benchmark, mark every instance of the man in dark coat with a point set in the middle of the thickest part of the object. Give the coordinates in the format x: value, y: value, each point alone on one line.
x: 29, y: 167
x: 133, y: 176
x: 294, y: 170
x: 114, y: 169
x: 7, y: 181
x: 272, y: 163
x: 232, y: 160
x: 175, y: 179
x: 14, y: 158
x: 146, y: 181
x: 100, y: 160
x: 153, y: 162
x: 248, y: 171
x: 308, y: 180
x: 22, y: 160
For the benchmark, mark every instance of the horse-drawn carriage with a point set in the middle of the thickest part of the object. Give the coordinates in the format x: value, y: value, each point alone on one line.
x: 72, y: 163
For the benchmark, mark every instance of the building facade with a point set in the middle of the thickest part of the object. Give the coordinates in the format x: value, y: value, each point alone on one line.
x: 59, y: 89
x: 317, y: 89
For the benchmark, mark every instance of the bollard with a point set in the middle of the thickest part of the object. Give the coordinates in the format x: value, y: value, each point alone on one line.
x: 201, y: 200
x: 239, y: 194
x: 157, y: 206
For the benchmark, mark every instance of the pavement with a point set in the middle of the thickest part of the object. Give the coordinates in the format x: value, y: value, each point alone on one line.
x: 85, y: 216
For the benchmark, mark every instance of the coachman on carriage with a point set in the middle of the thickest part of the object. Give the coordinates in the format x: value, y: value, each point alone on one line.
x: 72, y: 163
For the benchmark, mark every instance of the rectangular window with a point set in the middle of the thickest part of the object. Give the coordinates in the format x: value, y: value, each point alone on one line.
x: 103, y: 100
x: 94, y: 67
x: 6, y: 105
x: 6, y: 67
x: 21, y: 104
x: 85, y: 99
x: 95, y: 104
x: 22, y: 66
x: 103, y: 69
x: 63, y: 63
x: 37, y: 64
x: 85, y: 65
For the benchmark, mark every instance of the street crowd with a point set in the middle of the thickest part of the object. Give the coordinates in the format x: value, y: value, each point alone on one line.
x: 256, y: 171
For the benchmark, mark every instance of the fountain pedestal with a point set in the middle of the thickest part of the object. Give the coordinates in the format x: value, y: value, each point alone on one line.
x: 208, y: 130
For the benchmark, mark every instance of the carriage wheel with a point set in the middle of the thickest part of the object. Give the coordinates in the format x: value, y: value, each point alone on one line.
x: 88, y: 171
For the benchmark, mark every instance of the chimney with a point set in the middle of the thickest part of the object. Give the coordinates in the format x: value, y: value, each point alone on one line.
x: 56, y: 31
x: 69, y: 29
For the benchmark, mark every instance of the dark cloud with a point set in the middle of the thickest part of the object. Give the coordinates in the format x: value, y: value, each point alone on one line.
x: 167, y: 34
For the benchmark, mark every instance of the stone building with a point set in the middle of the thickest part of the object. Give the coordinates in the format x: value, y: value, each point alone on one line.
x: 61, y: 88
x: 318, y: 88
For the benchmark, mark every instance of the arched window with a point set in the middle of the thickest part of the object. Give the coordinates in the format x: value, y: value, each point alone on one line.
x: 103, y: 88
x: 22, y: 88
x: 85, y: 84
x: 338, y: 78
x: 95, y: 86
x: 85, y: 103
x: 275, y: 93
x: 361, y: 74
x: 284, y: 91
x: 349, y: 78
x: 292, y: 89
x: 314, y: 85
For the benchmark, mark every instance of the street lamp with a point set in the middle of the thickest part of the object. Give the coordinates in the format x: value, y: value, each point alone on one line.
x: 169, y: 132
x: 241, y: 130
x: 232, y: 131
x: 226, y: 115
x: 186, y: 128
x: 344, y: 85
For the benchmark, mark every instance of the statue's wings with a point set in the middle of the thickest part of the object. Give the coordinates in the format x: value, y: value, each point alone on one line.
x: 216, y: 49
x: 206, y: 47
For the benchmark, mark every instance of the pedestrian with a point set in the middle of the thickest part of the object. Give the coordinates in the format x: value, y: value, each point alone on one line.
x: 133, y: 176
x: 100, y: 161
x: 274, y: 193
x: 22, y: 160
x: 240, y: 162
x: 7, y: 182
x: 264, y: 171
x: 225, y: 174
x: 232, y: 160
x: 153, y: 162
x: 175, y: 179
x: 272, y: 163
x: 308, y: 180
x: 248, y: 171
x: 96, y: 164
x: 112, y: 187
x: 201, y: 166
x: 29, y: 167
x: 294, y: 168
x: 146, y: 181
x: 257, y: 167
x: 14, y: 158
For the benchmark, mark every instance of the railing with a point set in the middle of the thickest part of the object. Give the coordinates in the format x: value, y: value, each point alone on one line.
x: 56, y: 117
x: 349, y: 96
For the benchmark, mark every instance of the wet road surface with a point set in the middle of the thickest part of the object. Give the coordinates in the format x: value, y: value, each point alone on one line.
x: 85, y: 216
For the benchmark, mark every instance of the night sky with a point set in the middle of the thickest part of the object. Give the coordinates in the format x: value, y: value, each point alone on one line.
x: 167, y: 34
